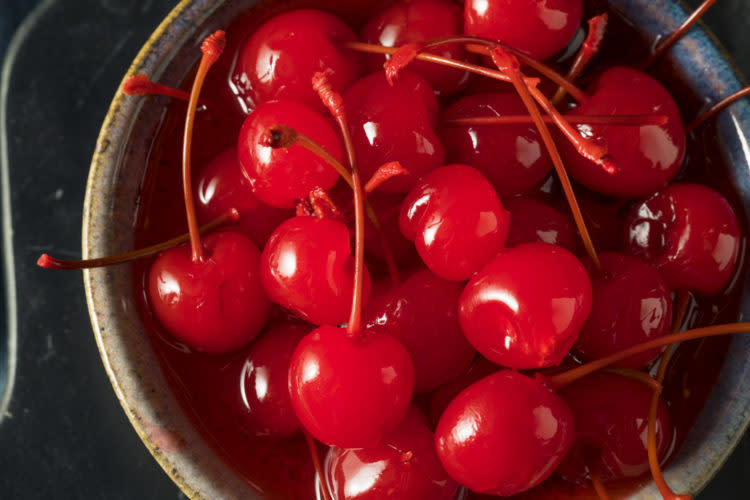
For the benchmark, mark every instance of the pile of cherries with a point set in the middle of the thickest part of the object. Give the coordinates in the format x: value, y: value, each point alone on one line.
x: 450, y: 326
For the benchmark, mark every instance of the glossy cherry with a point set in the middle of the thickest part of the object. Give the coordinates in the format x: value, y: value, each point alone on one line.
x: 526, y: 308
x: 442, y: 397
x: 504, y: 434
x: 279, y: 176
x: 258, y: 383
x: 611, y: 415
x: 350, y: 392
x: 395, y: 123
x: 690, y: 234
x: 646, y: 156
x: 538, y: 28
x: 280, y: 58
x: 215, y: 305
x: 307, y: 267
x: 456, y: 221
x: 409, y: 21
x: 631, y: 304
x: 220, y: 186
x: 404, y: 466
x: 534, y: 221
x: 512, y: 157
x: 422, y: 313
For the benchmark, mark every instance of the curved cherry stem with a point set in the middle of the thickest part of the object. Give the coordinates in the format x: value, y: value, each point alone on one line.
x: 509, y: 64
x: 562, y: 379
x: 48, y: 262
x: 716, y: 108
x: 212, y: 48
x: 610, y: 120
x: 599, y: 488
x: 317, y: 465
x: 141, y: 85
x: 639, y: 376
x: 664, y: 45
x: 589, y: 48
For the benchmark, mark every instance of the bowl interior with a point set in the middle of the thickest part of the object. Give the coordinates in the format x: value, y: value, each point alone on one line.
x: 109, y: 218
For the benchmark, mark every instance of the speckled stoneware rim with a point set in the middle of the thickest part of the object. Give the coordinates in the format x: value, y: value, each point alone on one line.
x: 113, y: 189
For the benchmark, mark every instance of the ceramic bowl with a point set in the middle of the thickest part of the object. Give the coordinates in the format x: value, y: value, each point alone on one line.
x: 112, y: 192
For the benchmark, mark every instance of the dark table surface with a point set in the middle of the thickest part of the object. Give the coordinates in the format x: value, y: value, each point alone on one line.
x: 64, y: 434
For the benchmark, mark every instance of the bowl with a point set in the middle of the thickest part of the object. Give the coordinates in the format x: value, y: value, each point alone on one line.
x: 109, y: 211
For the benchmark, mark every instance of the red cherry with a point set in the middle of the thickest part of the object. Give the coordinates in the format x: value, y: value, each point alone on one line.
x: 611, y: 418
x: 647, y: 156
x: 504, y: 434
x: 307, y: 267
x: 690, y: 234
x: 526, y: 308
x: 456, y: 221
x: 221, y: 187
x: 631, y: 304
x: 281, y: 57
x: 388, y: 207
x: 512, y: 157
x: 422, y: 313
x: 215, y: 305
x: 350, y: 391
x: 538, y: 28
x: 279, y: 176
x: 404, y: 466
x: 442, y: 397
x: 533, y: 221
x: 410, y: 21
x: 259, y: 383
x: 395, y: 123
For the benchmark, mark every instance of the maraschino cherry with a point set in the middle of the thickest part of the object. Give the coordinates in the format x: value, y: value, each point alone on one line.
x: 409, y: 21
x: 512, y: 157
x: 422, y: 313
x: 404, y: 466
x: 280, y: 58
x: 537, y: 28
x: 534, y: 221
x: 526, y: 308
x: 690, y: 234
x: 456, y: 221
x: 201, y: 292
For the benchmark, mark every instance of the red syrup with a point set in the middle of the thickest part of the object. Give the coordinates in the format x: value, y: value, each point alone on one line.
x: 282, y: 469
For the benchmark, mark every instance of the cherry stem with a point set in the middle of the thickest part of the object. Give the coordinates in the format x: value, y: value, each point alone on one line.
x: 212, y: 48
x: 317, y: 465
x: 638, y: 376
x: 509, y: 64
x: 322, y: 204
x: 611, y: 120
x: 383, y: 173
x: 335, y: 104
x: 48, y: 262
x: 562, y: 379
x: 141, y: 85
x: 599, y: 488
x: 589, y: 48
x: 716, y: 108
x: 664, y: 45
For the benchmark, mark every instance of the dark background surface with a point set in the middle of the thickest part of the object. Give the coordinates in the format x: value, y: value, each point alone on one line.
x: 65, y: 435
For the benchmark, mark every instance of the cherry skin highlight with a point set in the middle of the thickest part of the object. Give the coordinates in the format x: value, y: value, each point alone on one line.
x: 414, y: 21
x: 647, y: 156
x: 690, y: 234
x: 279, y: 176
x: 456, y: 221
x: 526, y: 308
x: 308, y: 268
x: 533, y: 221
x: 220, y: 187
x: 394, y: 123
x: 538, y: 28
x: 214, y: 306
x: 404, y: 466
x: 611, y: 416
x: 280, y: 58
x: 504, y: 434
x: 258, y: 386
x: 631, y: 305
x: 349, y: 391
x: 422, y: 313
x: 512, y: 157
